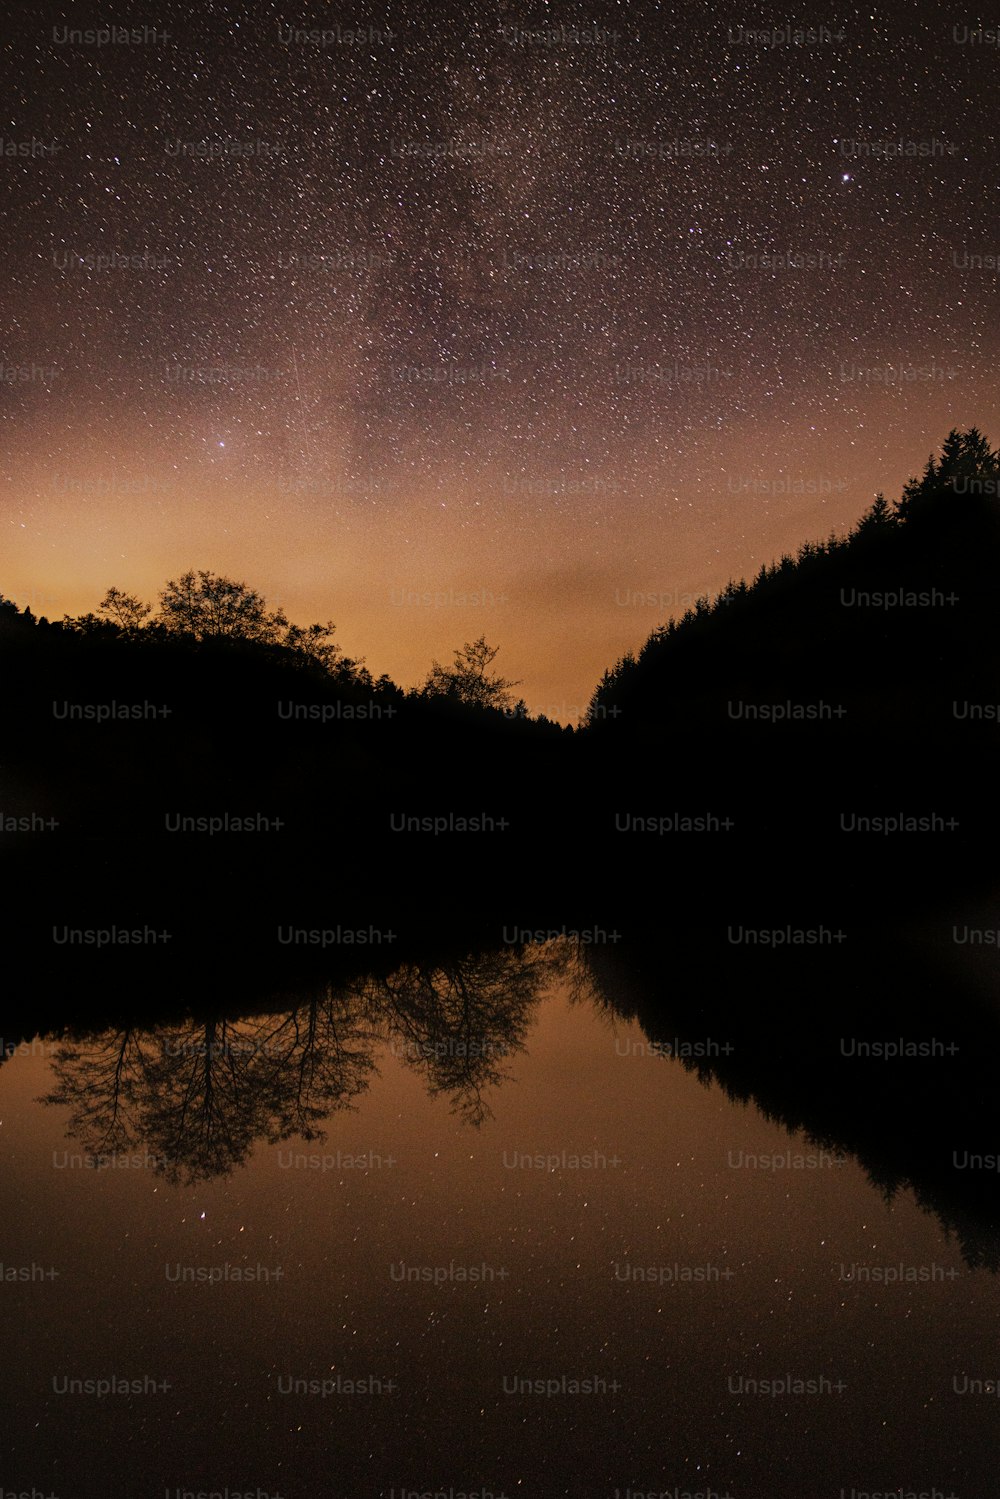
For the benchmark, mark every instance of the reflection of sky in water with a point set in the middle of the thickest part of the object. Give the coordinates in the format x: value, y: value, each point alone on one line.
x: 420, y: 1189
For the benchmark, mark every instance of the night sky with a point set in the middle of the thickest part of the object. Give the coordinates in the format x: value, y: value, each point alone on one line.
x: 569, y: 324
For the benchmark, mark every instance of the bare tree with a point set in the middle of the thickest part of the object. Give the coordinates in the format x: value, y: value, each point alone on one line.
x: 469, y: 680
x: 125, y: 610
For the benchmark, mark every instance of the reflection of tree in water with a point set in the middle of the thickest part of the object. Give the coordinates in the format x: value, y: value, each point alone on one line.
x: 457, y: 1024
x: 196, y: 1096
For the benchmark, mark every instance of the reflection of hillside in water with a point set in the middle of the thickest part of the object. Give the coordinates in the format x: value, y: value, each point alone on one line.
x: 195, y: 1096
x: 787, y: 1022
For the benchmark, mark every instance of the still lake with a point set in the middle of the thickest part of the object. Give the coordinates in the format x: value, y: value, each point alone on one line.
x: 465, y: 1231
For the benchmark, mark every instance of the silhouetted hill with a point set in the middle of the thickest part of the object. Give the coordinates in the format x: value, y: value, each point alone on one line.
x: 893, y: 622
x: 112, y: 733
x: 845, y: 701
x: 836, y: 718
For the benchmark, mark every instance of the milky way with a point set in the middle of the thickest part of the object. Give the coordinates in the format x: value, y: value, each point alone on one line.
x: 532, y: 324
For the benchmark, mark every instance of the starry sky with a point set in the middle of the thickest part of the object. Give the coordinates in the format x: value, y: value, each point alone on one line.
x: 532, y: 323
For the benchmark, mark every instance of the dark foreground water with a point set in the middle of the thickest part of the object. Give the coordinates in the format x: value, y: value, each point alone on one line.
x: 471, y: 1232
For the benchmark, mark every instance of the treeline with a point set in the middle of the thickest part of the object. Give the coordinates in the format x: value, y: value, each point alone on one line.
x: 209, y: 618
x: 127, y: 723
x: 855, y: 687
x: 901, y: 599
x: 894, y: 620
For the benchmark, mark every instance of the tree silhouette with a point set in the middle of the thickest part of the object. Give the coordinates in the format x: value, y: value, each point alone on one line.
x: 469, y: 680
x: 314, y: 642
x: 879, y: 514
x: 124, y: 610
x: 967, y: 465
x: 208, y: 606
